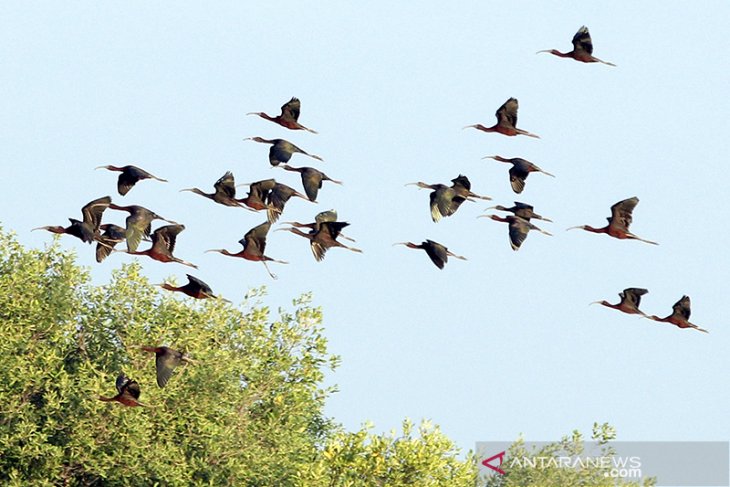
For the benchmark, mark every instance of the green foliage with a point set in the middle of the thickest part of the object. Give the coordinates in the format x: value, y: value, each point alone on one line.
x: 519, y: 474
x: 249, y: 412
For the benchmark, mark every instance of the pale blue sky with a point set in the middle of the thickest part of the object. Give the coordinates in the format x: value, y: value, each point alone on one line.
x: 502, y: 344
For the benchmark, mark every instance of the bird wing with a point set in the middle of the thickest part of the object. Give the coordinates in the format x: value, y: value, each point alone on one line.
x: 582, y: 40
x: 312, y: 182
x: 517, y: 179
x: 277, y: 198
x: 633, y: 295
x: 226, y: 185
x: 202, y: 286
x: 93, y: 210
x: 113, y: 235
x: 131, y: 388
x: 290, y: 109
x: 436, y: 252
x: 164, y: 238
x: 326, y: 216
x: 518, y: 230
x: 129, y: 177
x: 121, y: 382
x: 621, y: 213
x: 280, y: 152
x: 444, y: 202
x: 507, y: 113
x: 165, y: 362
x: 255, y: 239
x: 682, y: 307
x: 462, y: 180
x: 334, y: 228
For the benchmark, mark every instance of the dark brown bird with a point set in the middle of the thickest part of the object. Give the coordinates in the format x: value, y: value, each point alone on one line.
x: 113, y: 234
x: 519, y: 171
x: 518, y: 228
x: 506, y: 121
x: 258, y: 193
x: 277, y: 199
x: 129, y: 177
x: 321, y: 217
x: 195, y: 288
x: 128, y: 392
x: 163, y: 245
x: 166, y: 359
x: 322, y: 237
x: 582, y: 48
x: 139, y: 223
x: 254, y: 246
x: 88, y: 229
x: 618, y: 222
x: 281, y: 150
x: 438, y: 254
x: 445, y: 200
x: 630, y: 300
x: 289, y: 117
x: 311, y: 180
x: 680, y: 315
x: 225, y: 191
x: 522, y: 210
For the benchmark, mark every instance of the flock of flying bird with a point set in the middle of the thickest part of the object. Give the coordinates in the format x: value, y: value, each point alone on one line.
x: 324, y: 232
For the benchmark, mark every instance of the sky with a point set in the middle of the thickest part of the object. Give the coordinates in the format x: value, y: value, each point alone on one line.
x: 500, y: 345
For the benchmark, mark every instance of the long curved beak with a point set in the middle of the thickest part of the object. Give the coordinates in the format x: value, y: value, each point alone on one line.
x: 101, y: 167
x: 573, y: 228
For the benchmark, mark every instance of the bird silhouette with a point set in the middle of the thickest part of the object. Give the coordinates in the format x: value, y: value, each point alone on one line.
x: 582, y: 48
x: 323, y: 237
x: 88, y: 229
x: 281, y: 150
x: 680, y: 315
x: 128, y: 392
x: 506, y: 121
x: 311, y: 180
x: 225, y: 191
x: 254, y: 246
x: 445, y: 200
x: 438, y: 254
x: 630, y: 300
x: 519, y: 171
x: 195, y: 288
x: 113, y: 234
x: 522, y: 210
x: 163, y: 245
x: 289, y: 117
x: 518, y: 228
x: 129, y: 176
x: 138, y: 223
x: 166, y: 359
x: 618, y: 222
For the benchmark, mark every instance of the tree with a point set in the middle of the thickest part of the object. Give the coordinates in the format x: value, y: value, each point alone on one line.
x: 249, y: 412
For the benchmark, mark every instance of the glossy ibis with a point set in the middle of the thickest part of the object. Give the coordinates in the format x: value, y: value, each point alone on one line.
x: 438, y: 254
x: 254, y: 246
x: 323, y: 237
x: 163, y: 245
x: 618, y: 222
x: 680, y: 315
x: 519, y: 171
x: 523, y: 210
x: 311, y: 180
x: 518, y: 228
x: 225, y: 191
x: 445, y: 200
x: 281, y: 150
x: 128, y: 392
x: 289, y: 117
x: 139, y: 223
x: 113, y: 234
x: 582, y: 48
x: 129, y: 176
x: 630, y: 300
x: 88, y: 229
x: 321, y: 217
x: 506, y: 121
x: 195, y: 288
x: 166, y: 359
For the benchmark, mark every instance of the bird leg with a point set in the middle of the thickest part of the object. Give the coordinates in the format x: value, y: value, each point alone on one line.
x: 451, y: 254
x: 634, y: 237
x: 180, y: 261
x: 525, y: 132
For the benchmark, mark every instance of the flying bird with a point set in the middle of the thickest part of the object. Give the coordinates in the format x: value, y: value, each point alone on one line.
x: 128, y: 392
x: 582, y: 48
x: 289, y: 117
x: 163, y: 245
x: 323, y: 237
x: 618, y: 222
x: 225, y: 191
x: 506, y: 121
x: 311, y: 180
x: 281, y: 150
x: 438, y: 254
x: 630, y: 300
x: 254, y: 246
x: 523, y: 210
x: 129, y: 176
x: 680, y: 315
x: 88, y: 229
x: 518, y: 228
x: 519, y: 171
x: 166, y: 359
x: 195, y: 288
x: 321, y: 217
x: 138, y: 223
x: 113, y: 234
x: 445, y: 200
